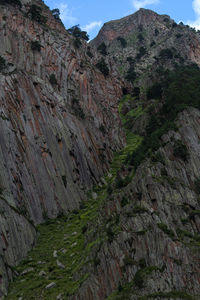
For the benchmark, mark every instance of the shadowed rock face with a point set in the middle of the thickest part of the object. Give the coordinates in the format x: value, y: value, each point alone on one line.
x: 159, y: 227
x: 56, y: 138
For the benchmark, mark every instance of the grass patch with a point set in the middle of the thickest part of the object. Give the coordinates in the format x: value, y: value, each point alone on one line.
x: 66, y: 236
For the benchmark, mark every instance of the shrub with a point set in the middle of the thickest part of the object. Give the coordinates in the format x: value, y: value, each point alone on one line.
x: 130, y: 60
x: 2, y: 63
x: 155, y: 91
x: 77, y: 108
x: 128, y: 261
x: 152, y: 44
x: 64, y: 179
x: 78, y: 33
x: 110, y: 234
x: 35, y: 14
x: 124, y: 201
x: 102, y: 49
x: 156, y: 32
x: 142, y: 52
x: 102, y: 129
x: 139, y: 279
x: 131, y: 74
x: 53, y: 79
x: 35, y: 46
x: 166, y: 230
x: 122, y: 41
x: 56, y: 14
x: 136, y: 92
x: 12, y: 2
x: 84, y: 229
x: 103, y: 68
x: 140, y: 37
x: 109, y: 190
x: 89, y: 53
x: 122, y: 182
x: 166, y: 54
x: 77, y: 43
x: 180, y: 89
x: 180, y: 151
x: 197, y: 185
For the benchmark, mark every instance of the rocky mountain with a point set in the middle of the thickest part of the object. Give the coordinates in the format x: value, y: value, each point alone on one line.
x: 100, y: 163
x: 143, y: 43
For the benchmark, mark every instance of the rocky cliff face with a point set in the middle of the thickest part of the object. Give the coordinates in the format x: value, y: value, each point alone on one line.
x: 57, y: 135
x: 135, y: 236
x: 154, y: 253
x: 144, y: 43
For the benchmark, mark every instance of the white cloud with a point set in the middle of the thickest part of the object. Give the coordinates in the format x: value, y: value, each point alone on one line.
x: 142, y: 3
x: 66, y: 14
x: 89, y: 27
x: 196, y: 7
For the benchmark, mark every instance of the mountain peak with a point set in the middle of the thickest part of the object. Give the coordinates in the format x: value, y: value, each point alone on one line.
x: 143, y: 18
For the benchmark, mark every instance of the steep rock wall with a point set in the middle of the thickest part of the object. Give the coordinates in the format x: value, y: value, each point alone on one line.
x: 53, y: 143
x: 156, y: 249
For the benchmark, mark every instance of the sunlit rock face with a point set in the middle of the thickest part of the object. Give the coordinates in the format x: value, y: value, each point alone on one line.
x: 148, y: 42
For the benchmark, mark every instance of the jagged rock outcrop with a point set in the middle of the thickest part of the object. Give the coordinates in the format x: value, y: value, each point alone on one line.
x: 143, y: 44
x: 57, y: 134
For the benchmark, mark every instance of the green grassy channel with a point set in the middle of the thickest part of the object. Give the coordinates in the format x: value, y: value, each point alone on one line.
x: 65, y: 238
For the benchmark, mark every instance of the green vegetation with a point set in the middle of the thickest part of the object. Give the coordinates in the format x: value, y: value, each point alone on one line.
x: 102, y: 129
x: 102, y: 49
x: 124, y: 201
x: 131, y: 74
x: 103, y: 68
x: 11, y: 2
x: 155, y: 91
x: 66, y: 236
x: 52, y: 79
x: 56, y: 14
x: 89, y: 53
x: 139, y: 278
x: 140, y: 37
x: 180, y: 151
x: 78, y: 33
x: 35, y: 14
x: 35, y: 46
x: 77, y: 108
x: 133, y: 142
x: 180, y: 89
x: 194, y: 213
x: 122, y: 41
x: 77, y: 43
x: 142, y: 52
x: 2, y: 63
x: 197, y: 185
x: 123, y: 292
x: 166, y: 230
x: 166, y: 54
x: 172, y: 294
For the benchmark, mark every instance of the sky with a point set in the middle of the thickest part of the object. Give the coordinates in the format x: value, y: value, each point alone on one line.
x: 91, y: 15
